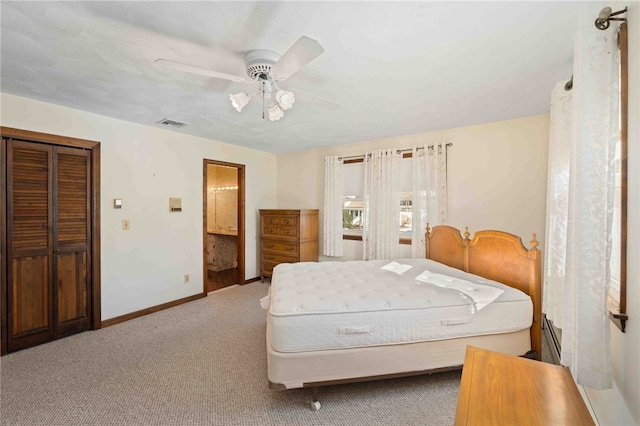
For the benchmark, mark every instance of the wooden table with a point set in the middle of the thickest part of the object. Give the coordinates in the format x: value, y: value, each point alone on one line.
x: 500, y: 389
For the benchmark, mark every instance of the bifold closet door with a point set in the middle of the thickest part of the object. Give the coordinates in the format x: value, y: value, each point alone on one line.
x: 48, y: 241
x: 71, y: 240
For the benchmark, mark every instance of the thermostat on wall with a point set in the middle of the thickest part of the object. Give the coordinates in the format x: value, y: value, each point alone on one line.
x: 117, y: 203
x: 175, y: 204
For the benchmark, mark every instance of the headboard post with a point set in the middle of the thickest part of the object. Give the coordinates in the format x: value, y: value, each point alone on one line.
x: 466, y: 248
x: 536, y: 295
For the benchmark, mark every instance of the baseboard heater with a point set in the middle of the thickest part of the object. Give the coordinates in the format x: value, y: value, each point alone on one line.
x: 551, y: 333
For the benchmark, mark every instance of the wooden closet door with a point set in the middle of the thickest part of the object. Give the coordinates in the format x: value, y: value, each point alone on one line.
x: 29, y: 244
x: 71, y: 240
x: 48, y: 242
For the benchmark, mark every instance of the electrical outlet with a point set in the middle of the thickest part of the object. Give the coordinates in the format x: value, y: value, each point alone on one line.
x: 186, y: 278
x: 125, y: 224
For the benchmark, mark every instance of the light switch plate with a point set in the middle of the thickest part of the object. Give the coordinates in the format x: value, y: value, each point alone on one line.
x: 125, y: 224
x: 175, y: 204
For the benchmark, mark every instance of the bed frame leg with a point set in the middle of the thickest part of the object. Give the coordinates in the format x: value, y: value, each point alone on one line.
x: 315, y: 404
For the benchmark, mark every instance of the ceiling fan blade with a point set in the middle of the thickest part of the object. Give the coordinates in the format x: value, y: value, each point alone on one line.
x: 167, y: 64
x: 308, y: 97
x: 300, y: 54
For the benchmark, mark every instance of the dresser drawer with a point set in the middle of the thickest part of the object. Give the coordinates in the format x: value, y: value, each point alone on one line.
x: 288, y: 231
x: 267, y: 268
x: 270, y: 230
x: 289, y: 248
x: 288, y: 220
x: 280, y: 231
x: 278, y: 257
x: 270, y: 220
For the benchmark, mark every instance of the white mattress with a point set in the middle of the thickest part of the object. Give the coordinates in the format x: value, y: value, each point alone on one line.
x: 334, y: 305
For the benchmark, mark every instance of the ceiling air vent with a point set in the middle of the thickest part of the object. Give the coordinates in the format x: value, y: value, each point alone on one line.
x: 170, y: 123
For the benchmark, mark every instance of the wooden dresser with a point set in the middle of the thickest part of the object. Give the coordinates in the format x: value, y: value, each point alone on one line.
x: 501, y: 389
x: 287, y: 236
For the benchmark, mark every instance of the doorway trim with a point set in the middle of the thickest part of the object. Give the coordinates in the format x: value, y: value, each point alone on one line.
x: 240, y: 213
x: 46, y: 138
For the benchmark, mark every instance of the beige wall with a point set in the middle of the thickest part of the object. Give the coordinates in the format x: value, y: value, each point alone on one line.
x: 497, y: 176
x: 144, y: 166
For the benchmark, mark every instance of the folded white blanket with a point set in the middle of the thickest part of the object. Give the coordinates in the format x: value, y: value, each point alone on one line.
x: 396, y: 267
x: 482, y: 295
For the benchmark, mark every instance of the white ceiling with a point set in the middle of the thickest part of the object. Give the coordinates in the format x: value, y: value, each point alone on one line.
x: 395, y: 67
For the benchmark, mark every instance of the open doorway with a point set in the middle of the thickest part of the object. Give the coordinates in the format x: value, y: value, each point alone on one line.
x: 223, y: 215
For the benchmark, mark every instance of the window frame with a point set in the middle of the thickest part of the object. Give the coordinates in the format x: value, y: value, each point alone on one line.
x: 618, y: 310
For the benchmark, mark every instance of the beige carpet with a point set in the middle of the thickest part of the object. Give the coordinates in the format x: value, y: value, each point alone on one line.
x: 196, y: 364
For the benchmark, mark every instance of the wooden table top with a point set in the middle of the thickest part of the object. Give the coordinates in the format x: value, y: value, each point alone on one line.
x: 500, y: 389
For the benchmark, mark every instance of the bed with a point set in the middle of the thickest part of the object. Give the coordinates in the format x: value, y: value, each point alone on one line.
x: 341, y: 322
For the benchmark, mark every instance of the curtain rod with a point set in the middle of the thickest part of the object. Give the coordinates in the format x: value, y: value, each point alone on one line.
x: 602, y: 23
x: 605, y: 16
x: 569, y: 84
x: 398, y: 151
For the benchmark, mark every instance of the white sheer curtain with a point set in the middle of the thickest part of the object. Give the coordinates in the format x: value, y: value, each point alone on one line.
x: 577, y: 261
x: 333, y: 192
x: 557, y: 203
x: 381, y: 204
x: 429, y: 192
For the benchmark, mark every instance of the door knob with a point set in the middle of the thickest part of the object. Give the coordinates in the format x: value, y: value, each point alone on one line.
x: 56, y: 251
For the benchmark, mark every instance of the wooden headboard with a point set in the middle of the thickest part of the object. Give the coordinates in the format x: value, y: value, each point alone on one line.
x: 497, y: 256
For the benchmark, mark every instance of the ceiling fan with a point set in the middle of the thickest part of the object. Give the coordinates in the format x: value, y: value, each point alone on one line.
x: 266, y: 68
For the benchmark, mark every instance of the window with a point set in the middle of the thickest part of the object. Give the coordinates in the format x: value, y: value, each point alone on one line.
x: 353, y: 203
x: 406, y: 213
x: 352, y: 214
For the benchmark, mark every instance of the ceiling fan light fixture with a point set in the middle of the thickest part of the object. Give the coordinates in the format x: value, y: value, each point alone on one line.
x: 275, y: 112
x: 285, y: 99
x: 266, y: 68
x: 239, y: 100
